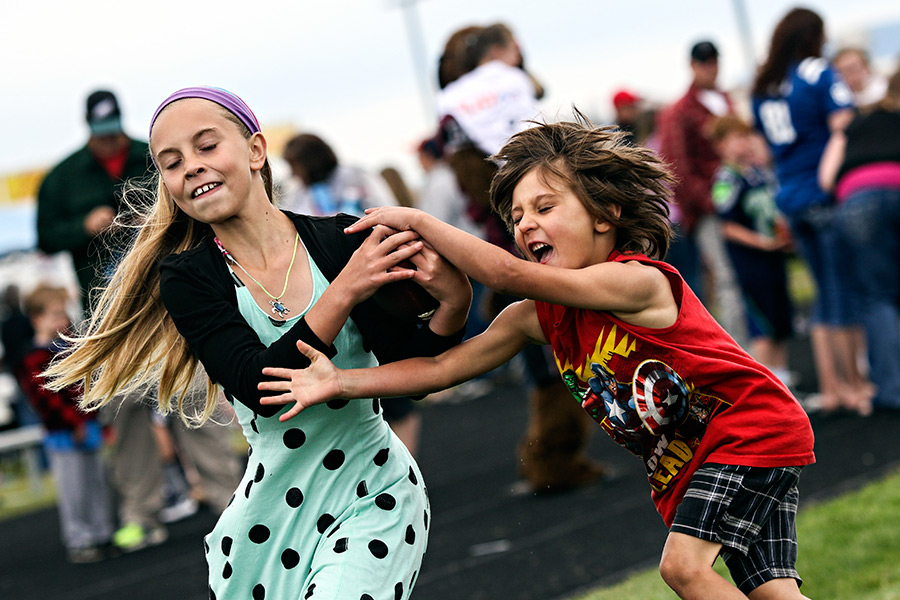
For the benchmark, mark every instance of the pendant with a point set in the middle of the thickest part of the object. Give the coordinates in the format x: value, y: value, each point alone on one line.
x: 278, y: 308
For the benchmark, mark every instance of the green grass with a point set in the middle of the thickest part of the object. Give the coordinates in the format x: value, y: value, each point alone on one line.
x: 17, y: 497
x: 801, y: 286
x: 849, y: 550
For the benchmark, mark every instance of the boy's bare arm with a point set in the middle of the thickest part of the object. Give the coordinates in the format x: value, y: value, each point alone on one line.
x: 627, y: 288
x: 512, y: 330
x: 735, y: 232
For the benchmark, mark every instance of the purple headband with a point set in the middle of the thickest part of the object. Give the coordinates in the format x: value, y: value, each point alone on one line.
x: 223, y: 98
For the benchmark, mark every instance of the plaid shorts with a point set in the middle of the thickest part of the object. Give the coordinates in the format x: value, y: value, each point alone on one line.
x: 751, y: 511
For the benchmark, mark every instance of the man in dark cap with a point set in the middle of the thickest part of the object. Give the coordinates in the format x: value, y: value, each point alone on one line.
x: 80, y: 197
x: 77, y: 204
x: 685, y: 145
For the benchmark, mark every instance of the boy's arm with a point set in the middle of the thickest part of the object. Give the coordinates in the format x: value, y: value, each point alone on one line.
x: 627, y: 288
x: 735, y: 232
x: 512, y: 330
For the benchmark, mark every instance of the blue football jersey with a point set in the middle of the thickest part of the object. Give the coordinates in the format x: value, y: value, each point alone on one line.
x: 795, y: 123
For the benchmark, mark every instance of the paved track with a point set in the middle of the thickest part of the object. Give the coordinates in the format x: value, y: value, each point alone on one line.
x: 488, y: 541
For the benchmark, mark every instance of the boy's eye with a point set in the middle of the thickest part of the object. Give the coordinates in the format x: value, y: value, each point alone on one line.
x: 208, y: 147
x: 172, y: 165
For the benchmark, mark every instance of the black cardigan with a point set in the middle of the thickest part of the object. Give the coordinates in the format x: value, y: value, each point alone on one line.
x: 199, y: 294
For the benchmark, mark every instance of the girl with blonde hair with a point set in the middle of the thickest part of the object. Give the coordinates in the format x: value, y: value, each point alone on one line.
x: 218, y: 277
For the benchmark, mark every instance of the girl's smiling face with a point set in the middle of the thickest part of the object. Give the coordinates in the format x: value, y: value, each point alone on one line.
x: 553, y: 227
x: 204, y: 162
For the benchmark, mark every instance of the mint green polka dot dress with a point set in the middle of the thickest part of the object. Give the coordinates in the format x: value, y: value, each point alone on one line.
x: 332, y: 504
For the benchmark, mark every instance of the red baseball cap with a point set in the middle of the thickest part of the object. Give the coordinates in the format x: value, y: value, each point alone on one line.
x: 624, y: 98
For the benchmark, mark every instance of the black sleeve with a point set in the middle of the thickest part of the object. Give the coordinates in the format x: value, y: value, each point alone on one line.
x: 203, y: 306
x: 388, y: 338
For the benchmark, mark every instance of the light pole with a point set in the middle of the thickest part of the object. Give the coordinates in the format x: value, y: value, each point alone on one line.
x: 740, y: 12
x: 417, y: 49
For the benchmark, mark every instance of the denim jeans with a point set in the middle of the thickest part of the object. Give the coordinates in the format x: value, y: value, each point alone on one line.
x: 869, y: 222
x: 831, y: 262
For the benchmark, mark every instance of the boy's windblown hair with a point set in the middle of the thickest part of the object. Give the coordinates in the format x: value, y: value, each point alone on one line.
x: 603, y: 171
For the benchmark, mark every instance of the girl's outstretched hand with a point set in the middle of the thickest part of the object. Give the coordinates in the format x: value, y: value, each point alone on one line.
x: 395, y: 217
x: 316, y: 384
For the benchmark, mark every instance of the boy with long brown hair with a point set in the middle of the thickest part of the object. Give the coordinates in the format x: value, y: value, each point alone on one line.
x: 723, y: 441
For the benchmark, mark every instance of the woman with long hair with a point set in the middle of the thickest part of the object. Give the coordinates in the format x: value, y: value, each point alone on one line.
x: 799, y: 102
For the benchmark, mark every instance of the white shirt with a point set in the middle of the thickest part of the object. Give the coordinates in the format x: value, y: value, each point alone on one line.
x: 490, y: 104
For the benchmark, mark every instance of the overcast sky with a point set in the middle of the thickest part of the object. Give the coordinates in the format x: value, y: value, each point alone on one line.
x: 344, y: 68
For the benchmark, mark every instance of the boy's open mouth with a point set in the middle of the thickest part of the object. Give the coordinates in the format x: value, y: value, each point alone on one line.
x: 540, y: 251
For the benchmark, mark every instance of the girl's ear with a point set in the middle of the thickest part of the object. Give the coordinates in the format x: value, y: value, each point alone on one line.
x: 258, y: 147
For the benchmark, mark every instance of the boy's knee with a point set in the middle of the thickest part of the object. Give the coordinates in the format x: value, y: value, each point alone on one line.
x: 686, y: 560
x: 676, y: 570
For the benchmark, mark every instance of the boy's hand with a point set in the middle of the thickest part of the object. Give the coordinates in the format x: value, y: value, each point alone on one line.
x: 395, y: 217
x: 316, y: 384
x: 377, y: 262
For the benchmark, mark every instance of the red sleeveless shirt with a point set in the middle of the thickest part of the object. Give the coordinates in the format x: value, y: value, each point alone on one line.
x: 679, y: 396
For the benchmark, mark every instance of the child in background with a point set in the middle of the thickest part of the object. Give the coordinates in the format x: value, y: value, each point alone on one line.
x: 74, y: 439
x: 722, y: 439
x: 757, y: 239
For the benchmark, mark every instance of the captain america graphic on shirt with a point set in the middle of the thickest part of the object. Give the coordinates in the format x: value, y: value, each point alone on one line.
x: 652, y: 411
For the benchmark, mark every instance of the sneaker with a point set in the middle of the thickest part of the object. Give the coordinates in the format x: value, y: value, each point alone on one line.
x: 133, y: 537
x: 183, y: 508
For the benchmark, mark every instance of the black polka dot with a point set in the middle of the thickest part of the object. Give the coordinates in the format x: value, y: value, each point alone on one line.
x: 259, y: 592
x: 333, y: 460
x: 294, y: 497
x: 362, y: 489
x: 398, y: 591
x: 294, y: 438
x: 376, y: 406
x: 412, y: 476
x: 324, y: 522
x: 425, y: 512
x: 247, y: 489
x: 290, y: 558
x: 366, y: 597
x: 333, y: 531
x: 230, y: 500
x: 412, y: 581
x: 385, y: 501
x: 381, y: 457
x: 205, y: 546
x: 259, y: 534
x: 309, y: 591
x: 249, y: 451
x: 253, y: 425
x: 226, y: 545
x: 227, y: 571
x: 378, y: 548
x: 212, y: 594
x: 410, y: 535
x: 337, y: 403
x: 260, y: 473
x: 341, y: 545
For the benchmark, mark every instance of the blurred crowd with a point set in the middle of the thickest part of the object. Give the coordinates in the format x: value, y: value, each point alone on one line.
x: 803, y: 175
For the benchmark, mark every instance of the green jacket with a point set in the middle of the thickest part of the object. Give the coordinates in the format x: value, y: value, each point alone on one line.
x: 67, y: 194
